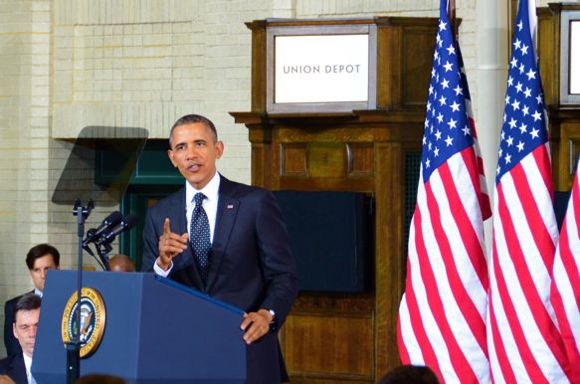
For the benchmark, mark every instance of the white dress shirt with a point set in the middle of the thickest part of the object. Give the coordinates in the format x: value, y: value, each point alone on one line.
x: 210, y: 205
x: 28, y: 364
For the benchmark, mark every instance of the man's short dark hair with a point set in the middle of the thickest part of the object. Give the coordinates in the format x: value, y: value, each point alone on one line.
x: 40, y: 250
x: 192, y: 119
x: 27, y: 302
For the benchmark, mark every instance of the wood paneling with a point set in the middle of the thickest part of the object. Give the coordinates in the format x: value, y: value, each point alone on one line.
x: 564, y: 120
x: 349, y: 338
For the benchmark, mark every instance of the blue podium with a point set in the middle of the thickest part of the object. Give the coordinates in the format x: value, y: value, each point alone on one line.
x: 156, y: 331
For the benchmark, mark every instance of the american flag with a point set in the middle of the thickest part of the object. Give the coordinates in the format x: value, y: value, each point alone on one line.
x: 566, y: 279
x: 442, y: 313
x: 523, y: 340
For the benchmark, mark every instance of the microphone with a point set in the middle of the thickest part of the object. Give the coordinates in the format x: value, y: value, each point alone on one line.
x: 110, y: 222
x: 124, y: 225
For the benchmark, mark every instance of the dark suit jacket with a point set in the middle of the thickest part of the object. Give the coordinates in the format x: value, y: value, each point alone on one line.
x: 251, y: 264
x: 14, y: 367
x: 11, y: 343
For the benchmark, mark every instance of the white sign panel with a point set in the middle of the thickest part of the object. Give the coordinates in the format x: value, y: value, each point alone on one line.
x: 321, y: 68
x: 575, y: 57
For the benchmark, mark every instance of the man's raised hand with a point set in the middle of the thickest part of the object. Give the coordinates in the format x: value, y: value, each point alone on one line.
x: 170, y: 245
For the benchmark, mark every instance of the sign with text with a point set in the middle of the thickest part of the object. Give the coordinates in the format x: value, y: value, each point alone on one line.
x: 575, y: 57
x: 321, y: 68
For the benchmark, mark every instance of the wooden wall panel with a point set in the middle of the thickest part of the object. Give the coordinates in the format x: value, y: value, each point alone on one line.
x: 318, y: 332
x: 349, y: 338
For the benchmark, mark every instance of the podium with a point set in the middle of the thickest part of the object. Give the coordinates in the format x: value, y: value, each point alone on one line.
x: 156, y: 331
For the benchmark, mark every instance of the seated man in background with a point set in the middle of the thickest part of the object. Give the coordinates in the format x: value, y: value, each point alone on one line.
x: 26, y: 316
x: 39, y: 260
x: 121, y: 263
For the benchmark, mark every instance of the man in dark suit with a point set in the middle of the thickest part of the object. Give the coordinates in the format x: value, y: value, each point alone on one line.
x: 39, y: 260
x: 248, y: 263
x: 26, y: 316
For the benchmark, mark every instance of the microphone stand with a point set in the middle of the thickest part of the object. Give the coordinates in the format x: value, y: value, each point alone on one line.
x: 73, y: 348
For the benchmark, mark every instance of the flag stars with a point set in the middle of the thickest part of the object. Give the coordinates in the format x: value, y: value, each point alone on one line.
x: 510, y: 81
x: 508, y: 158
x: 535, y: 133
x: 528, y: 92
x: 513, y: 123
x: 449, y: 141
x: 531, y: 74
x: 522, y: 68
x: 436, y: 152
x: 448, y: 66
x: 519, y: 87
x: 516, y: 105
x: 520, y: 146
x: 466, y: 131
x: 520, y: 25
x: 525, y: 49
x: 452, y: 124
x: 523, y: 128
x: 442, y: 26
x: 454, y: 106
x: 537, y: 116
x: 445, y: 84
x: 525, y: 110
x: 539, y: 99
x: 509, y: 141
x: 517, y: 44
x: 442, y: 101
x: 451, y: 49
x: 514, y: 62
x: 458, y: 90
x: 438, y: 135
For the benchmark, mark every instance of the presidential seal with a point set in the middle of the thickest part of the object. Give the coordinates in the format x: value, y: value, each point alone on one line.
x: 92, y: 320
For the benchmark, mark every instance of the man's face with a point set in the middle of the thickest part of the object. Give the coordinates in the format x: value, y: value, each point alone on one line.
x: 39, y: 270
x: 194, y: 151
x: 24, y: 329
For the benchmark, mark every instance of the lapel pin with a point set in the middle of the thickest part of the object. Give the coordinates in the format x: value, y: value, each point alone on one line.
x: 230, y: 206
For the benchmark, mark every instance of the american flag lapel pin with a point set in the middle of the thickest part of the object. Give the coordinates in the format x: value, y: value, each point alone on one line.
x: 230, y: 206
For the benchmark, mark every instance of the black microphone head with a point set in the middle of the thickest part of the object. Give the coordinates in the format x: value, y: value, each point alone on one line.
x: 130, y: 221
x: 112, y: 219
x: 127, y: 223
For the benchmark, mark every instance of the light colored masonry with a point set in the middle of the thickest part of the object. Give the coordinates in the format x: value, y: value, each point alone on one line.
x: 70, y: 64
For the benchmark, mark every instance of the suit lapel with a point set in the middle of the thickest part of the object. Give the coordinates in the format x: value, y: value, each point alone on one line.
x: 225, y: 219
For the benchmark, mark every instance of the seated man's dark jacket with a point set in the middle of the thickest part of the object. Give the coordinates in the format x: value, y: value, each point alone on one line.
x: 13, y: 366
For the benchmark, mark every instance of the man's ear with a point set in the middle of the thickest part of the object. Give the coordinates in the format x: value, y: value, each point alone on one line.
x: 170, y: 155
x: 219, y: 145
x: 14, y: 330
